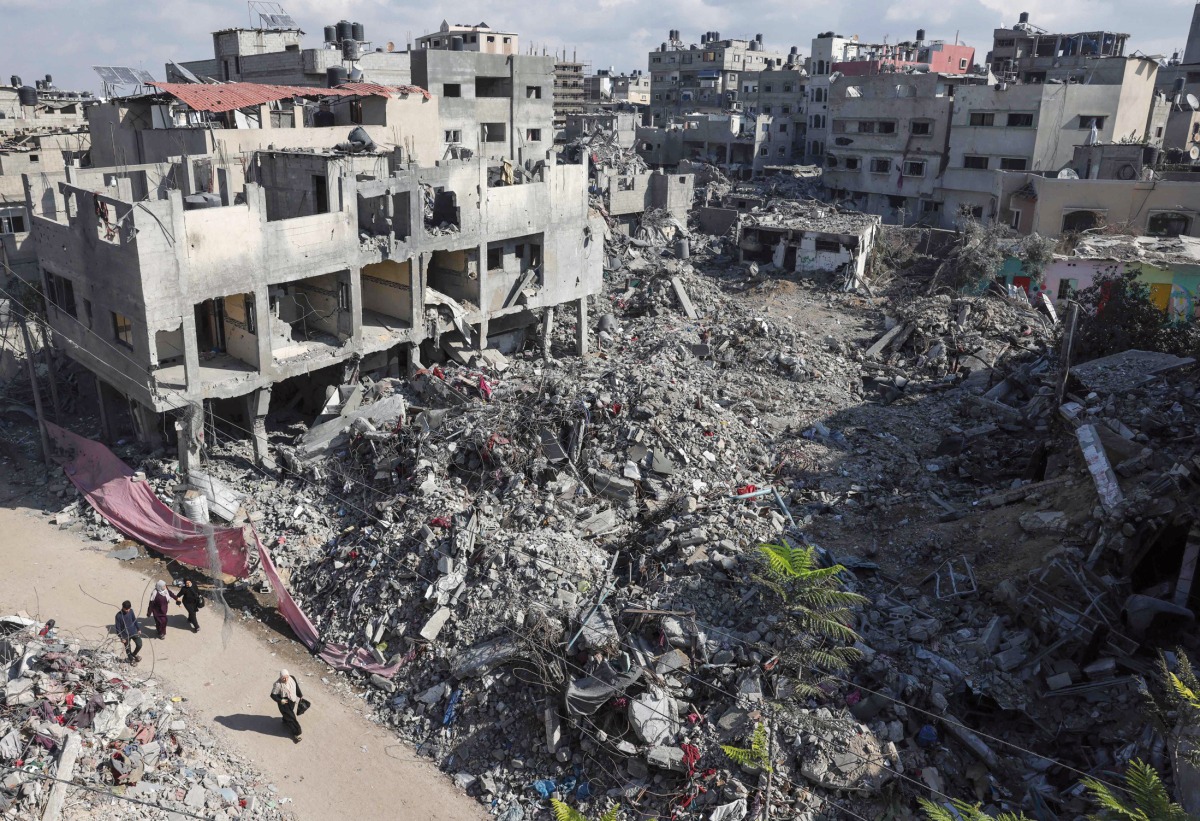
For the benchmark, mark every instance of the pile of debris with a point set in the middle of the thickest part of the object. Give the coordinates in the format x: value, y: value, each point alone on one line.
x: 78, y: 731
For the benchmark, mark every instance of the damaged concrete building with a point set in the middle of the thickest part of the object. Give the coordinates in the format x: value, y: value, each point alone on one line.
x: 272, y: 251
x: 43, y: 129
x: 808, y: 239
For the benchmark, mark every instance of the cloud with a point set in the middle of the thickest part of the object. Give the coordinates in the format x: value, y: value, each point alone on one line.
x: 617, y: 33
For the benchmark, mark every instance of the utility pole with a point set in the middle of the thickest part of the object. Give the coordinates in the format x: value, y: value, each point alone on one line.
x: 37, y: 395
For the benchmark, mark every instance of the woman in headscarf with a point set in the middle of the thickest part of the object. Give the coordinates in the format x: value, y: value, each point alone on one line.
x: 286, y: 693
x: 159, y: 601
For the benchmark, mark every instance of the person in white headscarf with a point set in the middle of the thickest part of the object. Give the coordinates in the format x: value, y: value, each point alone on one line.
x: 286, y: 694
x: 160, y: 600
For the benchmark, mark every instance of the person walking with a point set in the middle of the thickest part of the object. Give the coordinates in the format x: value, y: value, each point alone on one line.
x: 286, y: 694
x: 189, y: 597
x: 159, y: 602
x: 128, y: 630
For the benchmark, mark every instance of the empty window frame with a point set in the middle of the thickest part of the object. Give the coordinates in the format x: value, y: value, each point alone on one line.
x: 61, y: 292
x: 451, y: 89
x: 921, y: 128
x: 533, y: 92
x: 880, y: 165
x: 1020, y: 120
x: 493, y: 132
x: 1013, y: 163
x: 533, y: 135
x: 1168, y: 224
x: 453, y: 136
x: 983, y: 118
x: 1087, y: 121
x: 975, y: 162
x: 914, y: 168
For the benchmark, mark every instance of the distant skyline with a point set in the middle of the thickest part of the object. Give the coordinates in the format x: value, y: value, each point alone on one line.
x: 65, y: 38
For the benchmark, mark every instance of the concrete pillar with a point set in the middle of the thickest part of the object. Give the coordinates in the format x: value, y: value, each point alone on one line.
x: 262, y: 328
x: 147, y: 423
x: 106, y: 421
x: 581, y: 328
x: 414, y: 358
x: 259, y: 405
x: 189, y: 433
x: 547, y: 330
x: 191, y: 354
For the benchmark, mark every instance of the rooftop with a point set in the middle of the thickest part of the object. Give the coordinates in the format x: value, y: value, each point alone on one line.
x: 809, y: 216
x: 217, y: 97
x: 1154, y: 250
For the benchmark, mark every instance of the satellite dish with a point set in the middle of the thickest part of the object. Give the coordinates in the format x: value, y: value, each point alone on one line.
x: 1127, y: 172
x: 356, y: 75
x: 1068, y: 174
x: 1193, y: 102
x: 1194, y: 152
x: 391, y: 46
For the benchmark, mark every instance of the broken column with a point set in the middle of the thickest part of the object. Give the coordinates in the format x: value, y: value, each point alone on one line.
x: 547, y: 330
x: 260, y: 404
x: 189, y: 433
x: 581, y: 330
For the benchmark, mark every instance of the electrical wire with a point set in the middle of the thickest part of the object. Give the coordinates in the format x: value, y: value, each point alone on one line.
x: 109, y: 793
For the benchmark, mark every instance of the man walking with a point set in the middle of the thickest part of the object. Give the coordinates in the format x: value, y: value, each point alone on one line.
x: 189, y: 597
x: 128, y: 630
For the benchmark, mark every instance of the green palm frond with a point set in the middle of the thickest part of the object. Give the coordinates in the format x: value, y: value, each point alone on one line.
x: 1148, y: 798
x: 565, y: 812
x: 613, y: 814
x: 962, y: 812
x: 755, y: 756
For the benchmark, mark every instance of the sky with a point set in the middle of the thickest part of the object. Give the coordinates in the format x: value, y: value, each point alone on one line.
x: 65, y: 38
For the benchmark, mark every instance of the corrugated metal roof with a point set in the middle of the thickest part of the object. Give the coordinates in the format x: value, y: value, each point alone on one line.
x: 217, y: 97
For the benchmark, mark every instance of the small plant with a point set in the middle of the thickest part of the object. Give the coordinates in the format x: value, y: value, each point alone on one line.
x: 565, y: 812
x: 1148, y: 798
x: 962, y: 812
x: 817, y: 609
x: 754, y: 757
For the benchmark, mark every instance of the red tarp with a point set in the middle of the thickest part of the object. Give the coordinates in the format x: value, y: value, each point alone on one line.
x: 134, y: 509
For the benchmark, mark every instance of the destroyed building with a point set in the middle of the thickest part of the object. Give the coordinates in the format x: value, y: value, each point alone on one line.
x: 808, y: 239
x: 1030, y: 54
x: 42, y: 130
x: 570, y: 94
x: 248, y: 262
x: 608, y: 89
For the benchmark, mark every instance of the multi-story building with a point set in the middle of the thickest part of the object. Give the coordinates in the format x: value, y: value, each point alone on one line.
x: 269, y: 233
x: 494, y: 101
x: 888, y: 137
x: 1033, y: 55
x: 606, y: 89
x: 43, y: 129
x: 481, y: 38
x: 570, y: 95
x: 704, y: 78
x: 834, y: 56
x: 1037, y: 127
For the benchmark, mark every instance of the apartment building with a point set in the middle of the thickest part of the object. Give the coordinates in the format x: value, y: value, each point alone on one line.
x: 1030, y: 54
x: 479, y: 38
x: 608, y: 88
x: 1038, y: 126
x: 888, y: 138
x: 703, y: 78
x: 43, y: 129
x: 570, y: 94
x: 494, y: 102
x: 834, y: 56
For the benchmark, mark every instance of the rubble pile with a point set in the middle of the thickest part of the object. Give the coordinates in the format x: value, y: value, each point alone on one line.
x: 128, y: 749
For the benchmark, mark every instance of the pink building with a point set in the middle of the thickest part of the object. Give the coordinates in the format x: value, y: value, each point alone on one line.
x: 939, y: 58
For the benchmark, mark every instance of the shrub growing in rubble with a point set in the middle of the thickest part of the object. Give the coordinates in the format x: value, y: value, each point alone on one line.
x: 982, y: 249
x: 565, y: 812
x: 1116, y: 314
x: 1172, y: 700
x: 817, y: 609
x: 754, y: 757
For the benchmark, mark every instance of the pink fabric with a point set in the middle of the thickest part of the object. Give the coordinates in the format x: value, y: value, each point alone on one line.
x: 335, y: 655
x: 134, y: 509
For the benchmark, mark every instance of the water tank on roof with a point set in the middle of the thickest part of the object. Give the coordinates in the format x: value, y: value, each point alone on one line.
x: 1150, y: 155
x: 758, y: 39
x: 456, y: 43
x: 1024, y: 18
x: 920, y: 35
x: 795, y: 50
x: 345, y: 30
x: 27, y: 95
x: 49, y: 81
x: 331, y: 34
x: 358, y: 32
x: 350, y: 50
x: 14, y: 81
x: 336, y: 76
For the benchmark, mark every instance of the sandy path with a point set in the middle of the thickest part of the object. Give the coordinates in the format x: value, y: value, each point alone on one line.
x: 345, y: 767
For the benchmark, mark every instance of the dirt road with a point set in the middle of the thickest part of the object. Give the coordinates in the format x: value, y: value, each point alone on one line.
x: 345, y: 767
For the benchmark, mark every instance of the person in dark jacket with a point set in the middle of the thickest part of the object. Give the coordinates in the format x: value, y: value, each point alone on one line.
x: 286, y: 693
x: 189, y: 597
x: 128, y: 630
